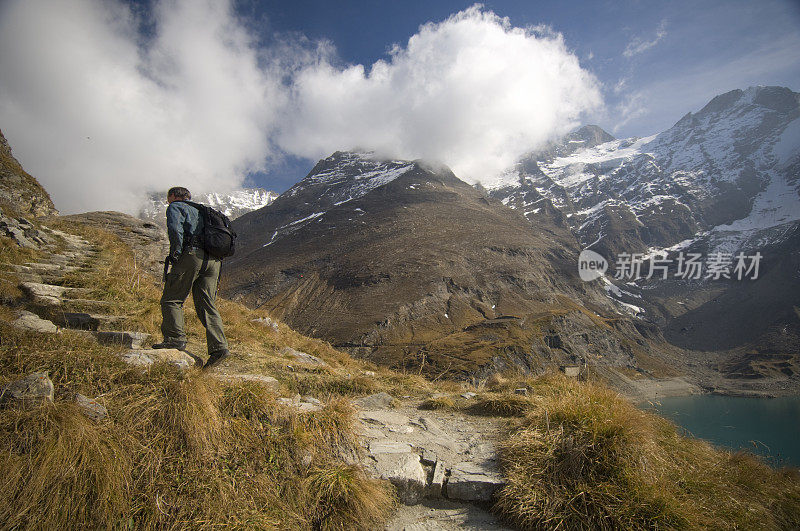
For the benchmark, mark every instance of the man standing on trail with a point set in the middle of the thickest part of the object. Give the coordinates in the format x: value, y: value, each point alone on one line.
x: 193, y: 269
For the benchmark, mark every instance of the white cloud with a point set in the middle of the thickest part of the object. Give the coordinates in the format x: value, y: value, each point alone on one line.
x: 100, y: 120
x: 638, y: 45
x: 100, y: 116
x: 472, y: 91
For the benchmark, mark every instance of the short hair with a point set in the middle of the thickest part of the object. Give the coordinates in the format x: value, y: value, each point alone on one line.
x: 179, y: 192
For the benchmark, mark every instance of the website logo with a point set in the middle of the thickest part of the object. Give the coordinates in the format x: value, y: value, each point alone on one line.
x: 591, y: 265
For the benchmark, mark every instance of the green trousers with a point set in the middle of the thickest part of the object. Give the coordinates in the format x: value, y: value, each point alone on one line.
x: 198, y: 273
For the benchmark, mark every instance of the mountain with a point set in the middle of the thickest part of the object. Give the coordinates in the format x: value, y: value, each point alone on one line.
x: 403, y: 263
x: 21, y: 194
x: 232, y: 204
x: 723, y: 180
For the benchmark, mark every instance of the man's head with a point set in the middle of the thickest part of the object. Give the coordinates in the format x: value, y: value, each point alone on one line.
x: 178, y: 193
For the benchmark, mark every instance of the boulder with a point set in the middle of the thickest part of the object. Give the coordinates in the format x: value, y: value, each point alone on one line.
x: 471, y: 481
x: 31, y: 321
x: 47, y: 294
x: 33, y: 390
x: 376, y: 401
x: 146, y: 357
x: 132, y: 340
x: 91, y: 407
x: 405, y: 472
x: 302, y: 357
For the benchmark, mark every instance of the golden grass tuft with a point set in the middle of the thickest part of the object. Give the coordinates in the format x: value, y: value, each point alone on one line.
x: 440, y: 402
x: 586, y: 458
x: 500, y: 405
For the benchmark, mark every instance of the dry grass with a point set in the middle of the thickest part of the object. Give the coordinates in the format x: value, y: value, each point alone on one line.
x: 585, y: 458
x: 178, y: 450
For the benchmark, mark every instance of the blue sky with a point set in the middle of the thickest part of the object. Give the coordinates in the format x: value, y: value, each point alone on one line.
x: 679, y: 54
x: 127, y: 96
x: 705, y: 47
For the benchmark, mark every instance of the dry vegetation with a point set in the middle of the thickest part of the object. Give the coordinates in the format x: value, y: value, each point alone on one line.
x: 185, y: 450
x: 581, y: 456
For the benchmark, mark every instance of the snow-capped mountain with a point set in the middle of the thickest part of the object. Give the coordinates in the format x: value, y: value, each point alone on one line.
x: 232, y: 204
x: 721, y: 181
x: 728, y: 173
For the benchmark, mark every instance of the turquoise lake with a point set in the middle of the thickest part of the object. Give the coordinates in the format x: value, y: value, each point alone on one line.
x: 766, y: 426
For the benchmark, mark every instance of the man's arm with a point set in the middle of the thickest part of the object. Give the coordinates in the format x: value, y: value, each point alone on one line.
x: 175, y: 219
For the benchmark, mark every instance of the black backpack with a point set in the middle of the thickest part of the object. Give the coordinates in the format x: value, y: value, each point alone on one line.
x: 217, y: 238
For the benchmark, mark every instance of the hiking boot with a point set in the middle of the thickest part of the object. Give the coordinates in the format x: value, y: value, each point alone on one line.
x: 216, y: 357
x: 171, y: 343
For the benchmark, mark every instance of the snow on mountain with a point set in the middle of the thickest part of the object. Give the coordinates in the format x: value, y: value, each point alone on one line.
x: 345, y: 176
x: 336, y: 180
x: 730, y: 171
x: 232, y: 204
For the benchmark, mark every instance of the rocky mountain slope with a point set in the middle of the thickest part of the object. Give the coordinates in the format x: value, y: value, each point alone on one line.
x: 403, y: 263
x: 21, y: 194
x: 232, y: 204
x: 723, y: 180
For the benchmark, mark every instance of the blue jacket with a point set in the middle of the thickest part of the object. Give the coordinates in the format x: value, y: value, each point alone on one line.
x: 184, y: 226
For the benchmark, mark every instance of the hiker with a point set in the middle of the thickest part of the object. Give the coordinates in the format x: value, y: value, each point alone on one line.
x: 193, y: 269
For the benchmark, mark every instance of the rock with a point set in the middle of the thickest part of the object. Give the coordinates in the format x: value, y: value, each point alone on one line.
x: 268, y: 381
x: 377, y: 401
x: 431, y: 425
x: 137, y: 358
x: 469, y: 395
x: 388, y: 447
x: 47, y: 294
x: 405, y: 472
x: 311, y: 400
x: 302, y: 357
x: 383, y: 417
x: 146, y: 357
x: 429, y: 457
x: 31, y: 321
x: 437, y: 483
x: 132, y: 340
x: 303, y: 407
x: 91, y: 407
x: 88, y: 321
x: 473, y: 482
x: 33, y: 390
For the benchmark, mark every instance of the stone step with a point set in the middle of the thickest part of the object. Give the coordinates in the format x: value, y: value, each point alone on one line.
x: 145, y: 358
x: 50, y: 268
x: 132, y: 340
x: 77, y: 304
x: 88, y: 321
x: 49, y: 294
x: 31, y: 321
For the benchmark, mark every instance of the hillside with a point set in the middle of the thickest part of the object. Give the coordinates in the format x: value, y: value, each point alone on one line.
x: 97, y: 431
x: 402, y: 263
x: 721, y: 181
x: 20, y: 193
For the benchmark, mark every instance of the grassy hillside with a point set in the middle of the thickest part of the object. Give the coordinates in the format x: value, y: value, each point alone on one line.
x: 186, y: 450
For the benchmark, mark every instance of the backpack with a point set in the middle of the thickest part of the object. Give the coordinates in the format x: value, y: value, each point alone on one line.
x: 217, y: 237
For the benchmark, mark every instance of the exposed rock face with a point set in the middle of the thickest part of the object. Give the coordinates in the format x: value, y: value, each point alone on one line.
x: 402, y: 262
x: 19, y: 192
